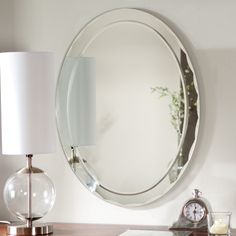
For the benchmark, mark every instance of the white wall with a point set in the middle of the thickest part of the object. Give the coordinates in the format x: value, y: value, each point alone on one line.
x: 207, y: 27
x: 6, y: 25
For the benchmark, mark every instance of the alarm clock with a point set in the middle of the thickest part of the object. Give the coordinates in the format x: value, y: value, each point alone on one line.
x: 193, y: 215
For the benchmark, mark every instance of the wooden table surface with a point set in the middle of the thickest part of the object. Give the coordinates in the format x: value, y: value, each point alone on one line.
x: 70, y: 229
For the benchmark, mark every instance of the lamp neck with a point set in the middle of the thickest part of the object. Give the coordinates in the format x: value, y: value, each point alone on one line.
x: 29, y: 161
x: 29, y: 167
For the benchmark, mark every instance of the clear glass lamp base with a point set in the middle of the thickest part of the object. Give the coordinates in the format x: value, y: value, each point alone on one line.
x: 36, y: 229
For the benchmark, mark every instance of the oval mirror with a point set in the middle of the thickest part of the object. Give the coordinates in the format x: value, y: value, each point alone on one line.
x: 127, y: 107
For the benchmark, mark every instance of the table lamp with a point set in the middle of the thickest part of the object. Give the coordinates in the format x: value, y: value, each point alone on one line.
x: 27, y: 120
x: 80, y: 105
x: 78, y: 99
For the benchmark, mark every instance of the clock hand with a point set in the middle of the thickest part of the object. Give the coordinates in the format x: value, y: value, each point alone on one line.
x: 195, y: 211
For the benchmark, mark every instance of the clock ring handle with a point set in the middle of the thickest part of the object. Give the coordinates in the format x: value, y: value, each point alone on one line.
x: 196, y: 193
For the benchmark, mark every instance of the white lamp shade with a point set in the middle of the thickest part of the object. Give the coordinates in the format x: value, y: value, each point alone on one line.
x: 81, y: 101
x: 27, y: 102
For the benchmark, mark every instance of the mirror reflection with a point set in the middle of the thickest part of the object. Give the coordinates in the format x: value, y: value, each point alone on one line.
x: 127, y: 107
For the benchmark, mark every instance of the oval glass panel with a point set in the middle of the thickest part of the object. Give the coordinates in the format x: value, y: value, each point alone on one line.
x: 127, y: 107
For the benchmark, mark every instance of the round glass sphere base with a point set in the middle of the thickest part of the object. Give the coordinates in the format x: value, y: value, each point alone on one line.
x: 29, y: 183
x: 36, y: 229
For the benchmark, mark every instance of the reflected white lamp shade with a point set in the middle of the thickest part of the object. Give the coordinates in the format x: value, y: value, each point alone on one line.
x: 27, y: 102
x: 81, y: 101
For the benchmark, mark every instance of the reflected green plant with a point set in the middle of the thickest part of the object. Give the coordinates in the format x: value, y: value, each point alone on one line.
x: 176, y: 106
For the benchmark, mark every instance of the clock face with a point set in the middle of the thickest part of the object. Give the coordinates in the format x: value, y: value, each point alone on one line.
x: 194, y: 211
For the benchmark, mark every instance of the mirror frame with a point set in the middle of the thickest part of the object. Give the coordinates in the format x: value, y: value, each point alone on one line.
x: 78, y: 45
